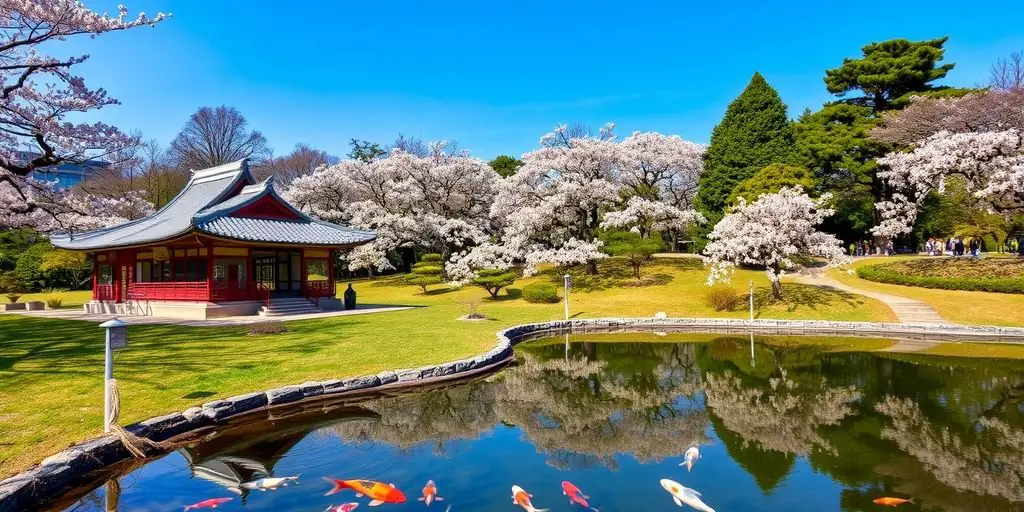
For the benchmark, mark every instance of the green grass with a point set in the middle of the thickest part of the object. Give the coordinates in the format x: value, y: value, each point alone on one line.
x: 71, y: 299
x: 51, y: 370
x: 965, y: 307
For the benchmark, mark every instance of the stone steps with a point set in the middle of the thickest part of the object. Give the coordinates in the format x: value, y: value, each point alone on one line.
x: 288, y: 306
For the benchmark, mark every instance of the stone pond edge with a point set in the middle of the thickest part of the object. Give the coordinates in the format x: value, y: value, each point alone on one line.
x: 72, y: 467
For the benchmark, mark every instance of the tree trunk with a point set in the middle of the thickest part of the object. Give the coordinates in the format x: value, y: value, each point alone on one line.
x: 777, y: 289
x: 592, y: 267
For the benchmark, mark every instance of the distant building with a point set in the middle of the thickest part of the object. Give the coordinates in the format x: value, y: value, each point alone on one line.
x: 66, y: 175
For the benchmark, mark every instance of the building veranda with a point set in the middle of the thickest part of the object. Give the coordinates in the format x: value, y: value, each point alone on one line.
x: 224, y: 246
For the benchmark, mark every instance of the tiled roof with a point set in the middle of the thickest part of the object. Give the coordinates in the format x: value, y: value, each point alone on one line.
x: 205, y: 205
x: 307, y: 232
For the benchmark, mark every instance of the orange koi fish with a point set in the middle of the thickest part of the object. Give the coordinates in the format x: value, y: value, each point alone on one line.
x: 522, y: 498
x: 430, y: 493
x: 575, y: 495
x: 891, y: 502
x: 378, y: 492
x: 210, y: 503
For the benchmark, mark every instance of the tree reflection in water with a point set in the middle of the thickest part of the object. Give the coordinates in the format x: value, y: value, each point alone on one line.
x: 947, y: 432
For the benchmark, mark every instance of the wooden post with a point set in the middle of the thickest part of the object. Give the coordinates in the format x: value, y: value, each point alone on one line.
x: 209, y: 274
x: 330, y: 272
x: 95, y: 276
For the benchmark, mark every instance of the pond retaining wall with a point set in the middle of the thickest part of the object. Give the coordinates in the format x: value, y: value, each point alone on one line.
x: 77, y: 465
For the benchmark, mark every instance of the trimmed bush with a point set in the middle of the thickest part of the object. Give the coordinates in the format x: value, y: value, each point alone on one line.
x: 885, y: 273
x: 723, y: 298
x: 540, y: 293
x: 427, y: 272
x: 494, y: 279
x: 54, y: 302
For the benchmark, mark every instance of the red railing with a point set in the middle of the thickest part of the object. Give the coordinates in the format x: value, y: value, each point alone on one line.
x: 170, y: 290
x: 314, y: 290
x: 103, y: 292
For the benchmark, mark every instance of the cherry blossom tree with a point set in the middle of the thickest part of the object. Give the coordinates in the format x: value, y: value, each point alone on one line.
x: 769, y: 232
x: 440, y: 201
x: 550, y: 210
x: 40, y: 205
x: 990, y: 163
x: 38, y: 92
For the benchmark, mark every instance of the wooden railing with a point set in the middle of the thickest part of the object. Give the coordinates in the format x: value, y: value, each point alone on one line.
x: 314, y: 290
x: 169, y: 290
x: 103, y: 292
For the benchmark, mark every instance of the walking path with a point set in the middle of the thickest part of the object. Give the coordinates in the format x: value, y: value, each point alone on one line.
x: 77, y: 314
x: 908, y: 311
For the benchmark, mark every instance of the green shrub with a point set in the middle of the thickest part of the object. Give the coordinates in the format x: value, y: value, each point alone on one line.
x: 494, y: 279
x: 540, y: 293
x: 886, y: 274
x: 54, y: 302
x: 427, y: 272
x: 723, y: 298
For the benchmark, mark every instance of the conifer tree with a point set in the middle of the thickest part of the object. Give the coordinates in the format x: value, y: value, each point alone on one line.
x: 754, y: 133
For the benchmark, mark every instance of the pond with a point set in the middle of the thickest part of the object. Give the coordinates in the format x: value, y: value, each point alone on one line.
x: 781, y: 425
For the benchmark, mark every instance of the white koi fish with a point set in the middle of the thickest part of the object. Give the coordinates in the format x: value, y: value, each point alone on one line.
x: 684, y: 495
x: 269, y: 484
x: 690, y: 457
x: 522, y: 498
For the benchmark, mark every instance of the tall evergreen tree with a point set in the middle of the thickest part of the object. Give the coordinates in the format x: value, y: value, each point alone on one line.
x: 754, y: 133
x: 889, y: 71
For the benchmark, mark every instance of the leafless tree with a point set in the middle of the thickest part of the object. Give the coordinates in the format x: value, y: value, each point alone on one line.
x: 215, y: 136
x: 1008, y: 74
x: 412, y: 145
x: 992, y: 110
x: 303, y: 160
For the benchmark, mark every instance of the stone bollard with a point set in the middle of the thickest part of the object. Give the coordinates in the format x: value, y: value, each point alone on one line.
x: 35, y: 305
x: 350, y: 297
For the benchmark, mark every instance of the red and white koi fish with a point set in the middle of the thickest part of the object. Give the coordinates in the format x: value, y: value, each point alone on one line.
x: 890, y: 502
x: 575, y: 495
x: 522, y: 498
x: 210, y: 503
x: 269, y: 484
x: 347, y: 507
x: 378, y: 492
x: 430, y: 494
x: 690, y: 457
x: 685, y: 495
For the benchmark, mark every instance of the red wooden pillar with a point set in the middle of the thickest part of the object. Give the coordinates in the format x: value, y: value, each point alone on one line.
x: 250, y: 276
x: 330, y: 273
x: 303, y: 273
x: 95, y: 277
x: 209, y: 274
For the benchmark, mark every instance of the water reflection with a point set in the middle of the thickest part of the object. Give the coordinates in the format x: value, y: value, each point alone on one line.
x: 945, y: 431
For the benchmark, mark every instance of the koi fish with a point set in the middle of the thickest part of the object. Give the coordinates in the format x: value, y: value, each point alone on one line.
x: 890, y: 502
x: 575, y: 495
x: 430, y: 493
x: 685, y: 495
x: 347, y: 507
x: 210, y: 503
x: 690, y: 457
x: 378, y: 492
x: 269, y: 484
x: 522, y: 498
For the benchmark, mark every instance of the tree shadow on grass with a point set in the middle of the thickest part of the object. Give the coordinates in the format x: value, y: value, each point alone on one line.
x: 440, y: 291
x: 795, y: 296
x: 506, y: 295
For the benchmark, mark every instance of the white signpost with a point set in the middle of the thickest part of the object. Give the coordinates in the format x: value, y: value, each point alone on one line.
x: 117, y: 338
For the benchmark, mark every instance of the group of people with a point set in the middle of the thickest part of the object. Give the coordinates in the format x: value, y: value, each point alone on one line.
x: 865, y: 248
x: 953, y: 246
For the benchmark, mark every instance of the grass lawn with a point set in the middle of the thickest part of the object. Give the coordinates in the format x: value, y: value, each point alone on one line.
x: 72, y: 299
x: 51, y: 370
x: 974, y: 308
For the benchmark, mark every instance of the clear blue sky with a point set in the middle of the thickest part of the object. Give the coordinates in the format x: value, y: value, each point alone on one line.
x: 495, y: 76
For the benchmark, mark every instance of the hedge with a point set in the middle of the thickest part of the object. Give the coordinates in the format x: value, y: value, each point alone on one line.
x: 880, y: 274
x: 540, y: 292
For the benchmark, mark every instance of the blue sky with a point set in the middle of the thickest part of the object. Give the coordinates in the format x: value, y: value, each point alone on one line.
x: 495, y: 76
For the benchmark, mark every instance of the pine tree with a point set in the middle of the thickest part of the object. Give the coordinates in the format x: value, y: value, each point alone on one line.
x: 754, y: 133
